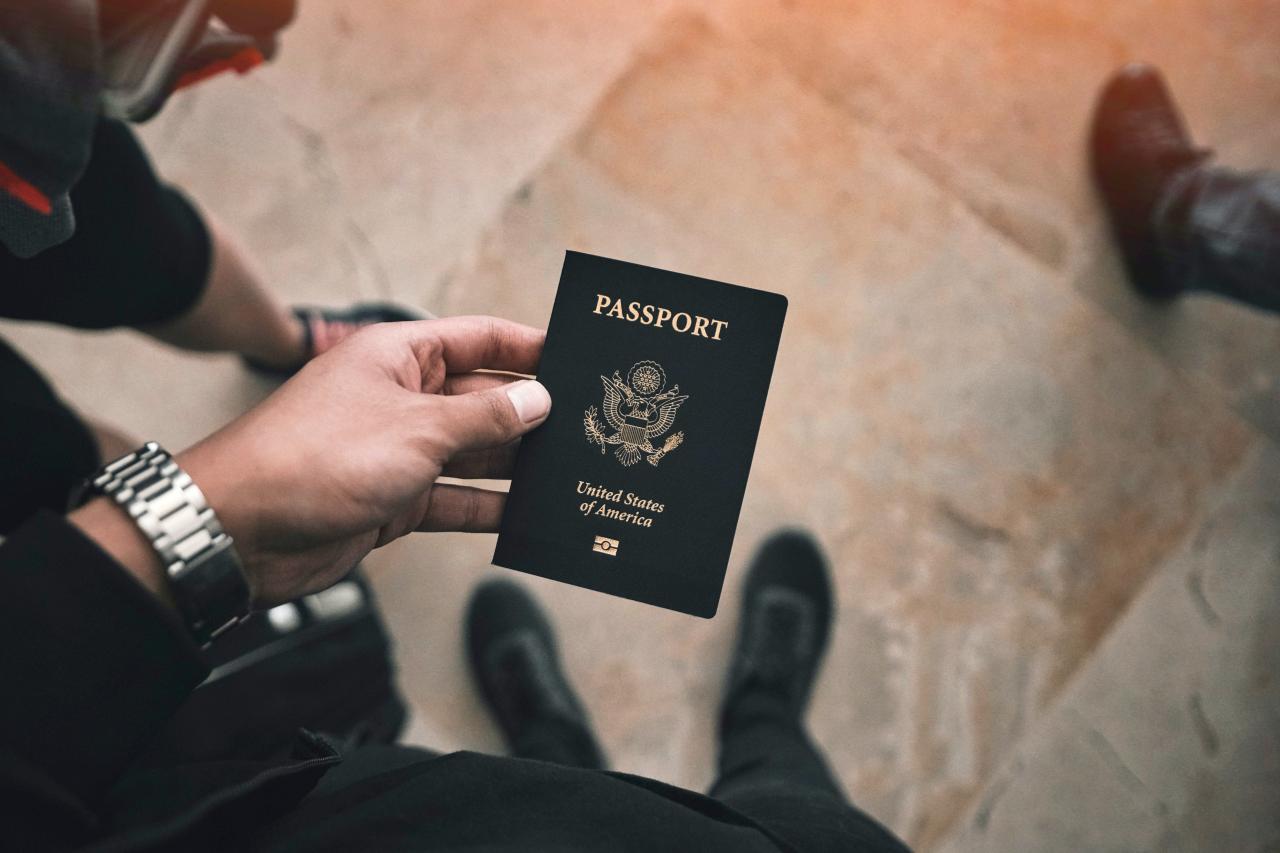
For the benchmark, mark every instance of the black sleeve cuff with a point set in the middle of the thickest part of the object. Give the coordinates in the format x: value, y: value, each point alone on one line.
x: 91, y: 663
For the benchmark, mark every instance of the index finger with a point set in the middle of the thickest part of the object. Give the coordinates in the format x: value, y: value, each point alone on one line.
x: 489, y: 343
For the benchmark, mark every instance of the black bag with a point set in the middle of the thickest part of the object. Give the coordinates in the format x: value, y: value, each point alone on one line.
x: 322, y: 663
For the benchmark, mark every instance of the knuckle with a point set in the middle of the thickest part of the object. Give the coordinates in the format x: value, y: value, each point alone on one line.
x: 471, y: 512
x: 499, y: 409
x: 500, y: 336
x: 433, y: 347
x: 434, y: 433
x: 429, y: 353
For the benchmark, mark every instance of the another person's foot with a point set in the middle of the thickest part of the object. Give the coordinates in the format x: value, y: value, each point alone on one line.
x: 786, y: 619
x: 325, y: 328
x: 1137, y: 146
x: 512, y: 653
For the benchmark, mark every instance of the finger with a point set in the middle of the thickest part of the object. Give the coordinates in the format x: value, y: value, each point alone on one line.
x: 494, y: 463
x: 464, y: 509
x: 496, y: 416
x: 473, y: 343
x: 465, y: 383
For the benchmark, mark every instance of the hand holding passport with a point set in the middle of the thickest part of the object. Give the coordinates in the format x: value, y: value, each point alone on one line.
x: 634, y: 484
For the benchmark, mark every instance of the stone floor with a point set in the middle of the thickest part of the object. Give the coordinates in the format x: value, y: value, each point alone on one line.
x: 1049, y: 505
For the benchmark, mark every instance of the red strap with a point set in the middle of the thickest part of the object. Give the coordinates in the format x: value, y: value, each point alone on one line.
x: 243, y: 60
x: 23, y: 191
x: 240, y: 62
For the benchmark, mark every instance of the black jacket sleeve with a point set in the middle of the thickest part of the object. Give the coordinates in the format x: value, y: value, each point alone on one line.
x: 90, y: 666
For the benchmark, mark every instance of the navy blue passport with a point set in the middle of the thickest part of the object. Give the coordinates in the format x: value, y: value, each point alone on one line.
x: 634, y: 484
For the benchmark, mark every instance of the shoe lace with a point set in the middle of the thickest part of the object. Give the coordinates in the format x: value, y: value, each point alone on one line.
x: 782, y: 637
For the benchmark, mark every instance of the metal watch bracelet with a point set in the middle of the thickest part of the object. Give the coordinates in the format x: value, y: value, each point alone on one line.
x: 204, y: 572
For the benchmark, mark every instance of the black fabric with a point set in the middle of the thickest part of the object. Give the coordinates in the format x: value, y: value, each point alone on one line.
x: 49, y: 88
x: 396, y: 798
x: 140, y: 253
x: 45, y: 449
x: 92, y: 665
x: 99, y: 667
x: 1219, y: 232
x: 332, y: 675
x: 771, y: 771
x: 51, y: 83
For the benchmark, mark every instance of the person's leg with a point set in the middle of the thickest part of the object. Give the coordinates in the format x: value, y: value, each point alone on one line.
x: 512, y: 655
x: 143, y: 256
x: 140, y: 253
x: 769, y: 768
x: 235, y: 312
x: 45, y: 449
x: 763, y: 746
x: 1219, y: 231
x: 1181, y: 225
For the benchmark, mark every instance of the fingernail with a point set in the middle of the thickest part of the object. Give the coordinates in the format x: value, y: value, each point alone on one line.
x: 531, y: 400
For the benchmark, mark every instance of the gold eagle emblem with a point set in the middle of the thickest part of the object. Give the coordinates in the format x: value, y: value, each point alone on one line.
x: 640, y: 410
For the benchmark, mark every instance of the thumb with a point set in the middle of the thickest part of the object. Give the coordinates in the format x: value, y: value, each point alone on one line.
x: 494, y: 416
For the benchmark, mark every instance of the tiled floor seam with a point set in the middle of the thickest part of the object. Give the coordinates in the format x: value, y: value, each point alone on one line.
x: 972, y: 207
x: 468, y: 253
x: 1064, y: 273
x: 1003, y: 774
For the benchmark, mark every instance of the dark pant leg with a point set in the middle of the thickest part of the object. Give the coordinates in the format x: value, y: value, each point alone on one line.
x: 772, y: 772
x: 1220, y: 232
x: 45, y: 449
x: 140, y: 253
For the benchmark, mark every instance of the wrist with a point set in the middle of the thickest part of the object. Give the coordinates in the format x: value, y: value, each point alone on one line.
x: 108, y: 525
x: 231, y: 496
x: 192, y: 564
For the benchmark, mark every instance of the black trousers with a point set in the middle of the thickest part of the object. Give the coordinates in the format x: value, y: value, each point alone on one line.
x: 341, y: 683
x: 1219, y: 232
x: 140, y: 255
x: 771, y: 771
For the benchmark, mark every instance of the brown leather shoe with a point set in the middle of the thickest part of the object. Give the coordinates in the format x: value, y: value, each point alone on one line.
x: 1137, y: 146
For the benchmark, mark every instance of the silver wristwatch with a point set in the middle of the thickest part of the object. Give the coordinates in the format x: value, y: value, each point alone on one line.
x: 204, y: 572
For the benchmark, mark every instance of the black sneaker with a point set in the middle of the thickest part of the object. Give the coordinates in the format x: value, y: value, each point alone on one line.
x: 786, y: 619
x: 325, y: 328
x: 512, y: 652
x: 1137, y: 146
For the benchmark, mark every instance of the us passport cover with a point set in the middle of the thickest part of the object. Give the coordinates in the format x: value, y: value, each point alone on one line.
x: 634, y: 484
